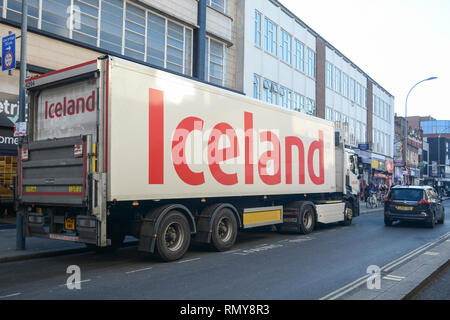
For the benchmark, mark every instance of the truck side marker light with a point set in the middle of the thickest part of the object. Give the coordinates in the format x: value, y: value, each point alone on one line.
x: 135, y: 204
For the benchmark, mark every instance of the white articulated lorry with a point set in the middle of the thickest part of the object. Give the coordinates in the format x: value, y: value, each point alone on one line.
x: 117, y: 148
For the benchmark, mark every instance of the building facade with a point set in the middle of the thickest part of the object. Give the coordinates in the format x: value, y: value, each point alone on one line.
x: 286, y: 63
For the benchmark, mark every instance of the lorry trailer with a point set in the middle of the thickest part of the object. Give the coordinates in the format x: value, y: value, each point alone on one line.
x: 117, y: 148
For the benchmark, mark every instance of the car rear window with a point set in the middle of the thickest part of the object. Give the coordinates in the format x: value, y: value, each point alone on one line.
x: 407, y: 194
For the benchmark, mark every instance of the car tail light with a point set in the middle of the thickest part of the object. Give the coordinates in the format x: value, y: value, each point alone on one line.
x: 424, y: 202
x: 387, y: 200
x: 78, y: 150
x: 24, y: 154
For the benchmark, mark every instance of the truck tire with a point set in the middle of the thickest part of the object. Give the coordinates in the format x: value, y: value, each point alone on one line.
x: 307, y: 220
x: 224, y: 230
x: 348, y: 214
x: 173, y: 237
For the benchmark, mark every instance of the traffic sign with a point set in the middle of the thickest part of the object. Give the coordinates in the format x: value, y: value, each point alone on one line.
x: 9, y: 52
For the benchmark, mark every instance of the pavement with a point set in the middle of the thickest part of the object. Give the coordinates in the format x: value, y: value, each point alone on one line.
x: 414, y: 271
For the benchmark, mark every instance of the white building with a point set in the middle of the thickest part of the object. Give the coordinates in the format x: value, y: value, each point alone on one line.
x: 287, y: 63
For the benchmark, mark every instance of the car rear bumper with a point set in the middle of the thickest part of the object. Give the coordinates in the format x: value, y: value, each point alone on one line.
x: 407, y: 217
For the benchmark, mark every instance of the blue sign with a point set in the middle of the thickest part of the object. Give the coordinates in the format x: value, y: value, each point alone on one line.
x: 9, y: 52
x: 364, y: 147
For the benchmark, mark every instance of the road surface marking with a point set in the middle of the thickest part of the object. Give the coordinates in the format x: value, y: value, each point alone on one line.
x: 232, y: 251
x: 302, y: 239
x: 139, y: 270
x: 190, y: 260
x: 10, y: 295
x: 73, y: 283
x: 355, y: 284
x: 430, y: 253
x: 259, y: 249
x: 393, y: 278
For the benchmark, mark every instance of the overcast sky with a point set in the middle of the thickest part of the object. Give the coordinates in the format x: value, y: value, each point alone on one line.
x: 396, y: 42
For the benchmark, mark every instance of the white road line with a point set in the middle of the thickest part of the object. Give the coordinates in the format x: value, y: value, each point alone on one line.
x: 190, y: 260
x: 73, y: 283
x: 232, y: 251
x: 392, y: 279
x: 139, y: 270
x: 10, y: 295
x: 430, y: 253
x: 349, y: 287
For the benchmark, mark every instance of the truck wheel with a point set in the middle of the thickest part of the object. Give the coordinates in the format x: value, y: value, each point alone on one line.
x: 348, y: 214
x: 307, y: 219
x: 224, y: 230
x: 173, y: 237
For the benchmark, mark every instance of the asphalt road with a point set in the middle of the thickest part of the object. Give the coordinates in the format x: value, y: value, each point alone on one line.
x: 262, y: 266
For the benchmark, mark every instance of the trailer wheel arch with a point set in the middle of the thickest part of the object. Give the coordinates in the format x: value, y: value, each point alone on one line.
x: 152, y: 221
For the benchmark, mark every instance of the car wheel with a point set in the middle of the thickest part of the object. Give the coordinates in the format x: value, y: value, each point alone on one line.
x: 442, y: 220
x: 388, y: 222
x: 432, y: 222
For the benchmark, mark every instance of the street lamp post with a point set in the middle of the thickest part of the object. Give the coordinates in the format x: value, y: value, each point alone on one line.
x: 20, y: 240
x: 405, y: 129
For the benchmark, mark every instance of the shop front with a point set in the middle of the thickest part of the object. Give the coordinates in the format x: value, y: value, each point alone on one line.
x: 9, y: 114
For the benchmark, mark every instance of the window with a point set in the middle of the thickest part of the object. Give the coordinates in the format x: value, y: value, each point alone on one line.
x: 328, y: 114
x: 135, y: 32
x: 337, y: 119
x: 299, y: 102
x: 329, y: 75
x: 311, y: 63
x: 156, y: 38
x: 14, y: 11
x: 352, y: 89
x: 111, y: 25
x: 54, y: 16
x: 337, y: 80
x: 358, y: 91
x: 285, y: 98
x: 310, y: 107
x: 219, y: 5
x: 257, y: 28
x: 364, y: 98
x: 120, y: 27
x: 345, y: 84
x: 87, y: 30
x: 257, y: 87
x: 270, y: 92
x: 286, y: 47
x: 174, y: 49
x: 216, y: 60
x: 270, y: 36
x: 299, y: 56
